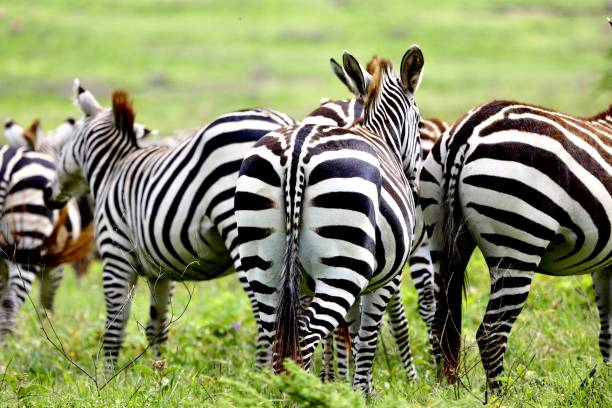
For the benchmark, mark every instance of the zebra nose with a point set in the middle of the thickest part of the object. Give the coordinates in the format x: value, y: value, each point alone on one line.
x: 49, y: 201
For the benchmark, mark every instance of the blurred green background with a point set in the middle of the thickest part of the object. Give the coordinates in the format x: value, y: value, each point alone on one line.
x: 187, y: 61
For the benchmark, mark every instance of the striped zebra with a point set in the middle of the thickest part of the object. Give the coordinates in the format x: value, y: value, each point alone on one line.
x: 329, y: 210
x: 344, y: 113
x: 34, y: 239
x: 164, y: 213
x: 532, y: 188
x: 80, y: 210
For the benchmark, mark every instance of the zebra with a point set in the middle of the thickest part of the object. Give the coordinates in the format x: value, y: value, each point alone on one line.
x: 532, y: 188
x: 347, y: 240
x: 34, y: 239
x: 344, y: 113
x: 80, y: 210
x: 164, y: 213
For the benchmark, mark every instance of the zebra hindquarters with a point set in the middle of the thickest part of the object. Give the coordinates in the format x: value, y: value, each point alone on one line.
x: 260, y: 220
x: 602, y: 282
x: 337, y: 247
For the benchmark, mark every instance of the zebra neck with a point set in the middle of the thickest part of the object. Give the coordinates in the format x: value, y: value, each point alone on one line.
x: 386, y: 132
x: 102, y: 163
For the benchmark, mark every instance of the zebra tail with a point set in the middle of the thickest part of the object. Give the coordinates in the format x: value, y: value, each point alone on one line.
x: 287, y: 322
x: 451, y: 280
x: 289, y: 309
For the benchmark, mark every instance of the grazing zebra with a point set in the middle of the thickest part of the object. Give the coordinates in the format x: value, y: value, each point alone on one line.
x: 164, y: 213
x: 329, y: 210
x: 33, y: 239
x: 532, y: 188
x: 80, y: 210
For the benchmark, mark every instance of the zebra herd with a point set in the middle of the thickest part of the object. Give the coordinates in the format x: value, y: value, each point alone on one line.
x: 317, y: 218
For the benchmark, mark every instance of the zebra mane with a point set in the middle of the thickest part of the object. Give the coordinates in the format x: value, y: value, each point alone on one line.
x: 376, y: 67
x: 124, y: 115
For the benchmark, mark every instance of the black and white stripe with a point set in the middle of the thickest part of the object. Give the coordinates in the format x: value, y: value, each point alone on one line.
x: 344, y: 113
x: 164, y: 213
x: 330, y: 210
x: 532, y: 188
x: 33, y: 238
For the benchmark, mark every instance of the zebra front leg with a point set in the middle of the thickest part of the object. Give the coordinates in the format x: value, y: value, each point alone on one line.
x: 18, y: 286
x: 602, y: 282
x: 50, y: 280
x: 373, y: 306
x: 399, y: 329
x: 509, y: 291
x: 157, y: 329
x: 119, y: 281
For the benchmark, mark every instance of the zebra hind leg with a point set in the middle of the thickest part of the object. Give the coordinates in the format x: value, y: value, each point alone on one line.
x: 373, y: 305
x: 18, y: 286
x: 50, y: 280
x: 509, y: 291
x: 327, y: 370
x: 602, y: 282
x: 399, y: 329
x: 157, y: 328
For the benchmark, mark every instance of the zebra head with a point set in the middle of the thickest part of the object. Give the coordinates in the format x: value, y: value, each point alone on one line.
x: 17, y: 136
x: 101, y: 131
x: 390, y: 109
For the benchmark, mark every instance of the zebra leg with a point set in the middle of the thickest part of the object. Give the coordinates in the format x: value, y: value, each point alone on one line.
x: 157, y: 328
x: 373, y: 306
x: 319, y: 320
x: 421, y: 272
x: 264, y: 355
x: 20, y: 278
x: 50, y: 280
x: 509, y: 291
x: 399, y: 329
x: 327, y: 371
x: 119, y: 281
x: 602, y: 282
x: 344, y: 348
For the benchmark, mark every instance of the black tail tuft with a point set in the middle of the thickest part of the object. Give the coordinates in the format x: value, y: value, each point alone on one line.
x: 455, y: 253
x: 287, y: 322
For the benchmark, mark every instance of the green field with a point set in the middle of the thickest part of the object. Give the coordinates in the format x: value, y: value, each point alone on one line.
x: 185, y: 62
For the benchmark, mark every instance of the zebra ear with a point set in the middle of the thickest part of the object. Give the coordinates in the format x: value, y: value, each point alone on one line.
x: 357, y: 74
x: 343, y: 77
x: 124, y: 115
x: 143, y: 132
x: 85, y: 100
x: 14, y: 134
x: 411, y: 70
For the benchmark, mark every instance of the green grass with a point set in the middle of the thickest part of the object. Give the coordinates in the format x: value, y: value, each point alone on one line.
x: 186, y: 62
x: 210, y: 355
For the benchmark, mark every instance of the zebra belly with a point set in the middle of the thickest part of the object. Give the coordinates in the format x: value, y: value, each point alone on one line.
x: 521, y: 220
x: 211, y: 259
